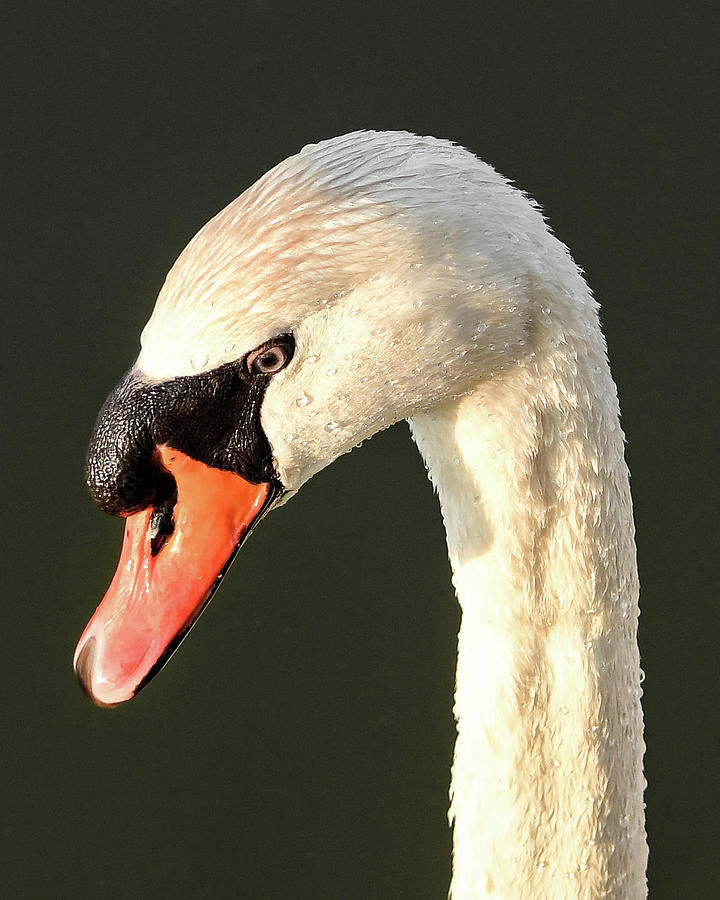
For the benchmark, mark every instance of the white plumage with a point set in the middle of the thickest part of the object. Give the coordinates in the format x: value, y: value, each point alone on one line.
x: 420, y: 284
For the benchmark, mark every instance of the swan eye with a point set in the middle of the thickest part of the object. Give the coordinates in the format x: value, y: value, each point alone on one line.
x: 271, y: 357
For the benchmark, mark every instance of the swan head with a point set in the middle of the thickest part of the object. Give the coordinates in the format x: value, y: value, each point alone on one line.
x: 387, y: 256
x: 367, y: 278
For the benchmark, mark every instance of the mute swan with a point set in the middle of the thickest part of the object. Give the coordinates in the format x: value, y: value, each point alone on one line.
x: 372, y: 278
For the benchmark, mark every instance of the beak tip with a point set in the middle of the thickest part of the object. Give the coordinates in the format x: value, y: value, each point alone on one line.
x: 84, y: 671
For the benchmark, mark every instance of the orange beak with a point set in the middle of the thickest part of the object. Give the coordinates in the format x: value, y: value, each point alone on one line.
x: 163, y: 582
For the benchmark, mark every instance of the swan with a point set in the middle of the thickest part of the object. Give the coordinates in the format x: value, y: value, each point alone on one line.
x: 371, y: 278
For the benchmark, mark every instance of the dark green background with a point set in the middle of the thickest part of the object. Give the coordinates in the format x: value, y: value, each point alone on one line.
x: 298, y: 745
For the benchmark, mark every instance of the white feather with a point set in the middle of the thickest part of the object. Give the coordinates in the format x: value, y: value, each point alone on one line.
x: 420, y: 284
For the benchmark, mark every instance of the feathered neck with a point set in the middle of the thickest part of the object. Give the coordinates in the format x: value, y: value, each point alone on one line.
x: 547, y: 779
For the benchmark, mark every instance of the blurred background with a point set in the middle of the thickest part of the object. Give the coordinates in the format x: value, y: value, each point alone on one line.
x: 299, y: 744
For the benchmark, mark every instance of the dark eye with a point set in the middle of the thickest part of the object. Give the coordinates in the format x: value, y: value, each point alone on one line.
x: 271, y: 357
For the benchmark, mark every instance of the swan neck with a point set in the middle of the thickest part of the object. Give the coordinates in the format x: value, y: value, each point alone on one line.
x: 547, y: 784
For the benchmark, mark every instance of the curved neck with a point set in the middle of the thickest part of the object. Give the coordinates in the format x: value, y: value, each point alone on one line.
x: 547, y: 781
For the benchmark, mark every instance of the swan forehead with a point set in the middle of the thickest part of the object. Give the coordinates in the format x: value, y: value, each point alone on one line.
x: 311, y: 229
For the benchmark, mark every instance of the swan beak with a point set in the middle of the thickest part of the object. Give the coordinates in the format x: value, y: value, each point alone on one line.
x: 168, y: 570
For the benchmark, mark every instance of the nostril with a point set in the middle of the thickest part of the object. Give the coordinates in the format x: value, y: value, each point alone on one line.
x: 162, y: 526
x: 162, y: 521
